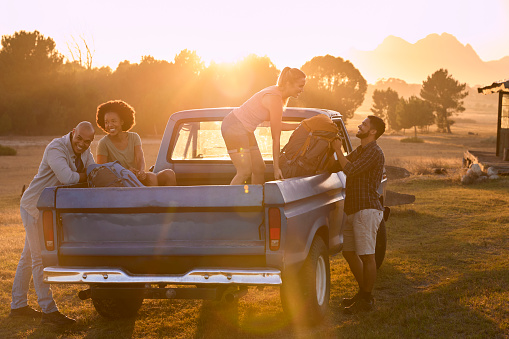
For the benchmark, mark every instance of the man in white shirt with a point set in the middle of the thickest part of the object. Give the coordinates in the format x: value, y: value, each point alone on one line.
x: 64, y: 162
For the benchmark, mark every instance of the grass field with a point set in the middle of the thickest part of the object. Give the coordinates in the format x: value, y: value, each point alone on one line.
x: 446, y: 273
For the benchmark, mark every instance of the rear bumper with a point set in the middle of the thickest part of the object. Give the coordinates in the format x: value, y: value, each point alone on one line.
x: 84, y: 275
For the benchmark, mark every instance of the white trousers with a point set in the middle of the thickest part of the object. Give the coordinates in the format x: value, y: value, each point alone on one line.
x: 30, y: 264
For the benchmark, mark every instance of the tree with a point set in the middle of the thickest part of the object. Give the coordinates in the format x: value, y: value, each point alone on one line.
x: 26, y: 56
x: 190, y: 61
x: 29, y: 65
x: 384, y: 106
x: 5, y: 124
x: 150, y: 88
x: 414, y: 112
x: 445, y: 95
x: 185, y: 75
x: 82, y: 55
x: 333, y: 83
x: 230, y: 84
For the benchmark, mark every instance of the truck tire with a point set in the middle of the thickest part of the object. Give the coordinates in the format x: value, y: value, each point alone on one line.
x: 305, y: 293
x: 381, y: 244
x: 117, y: 308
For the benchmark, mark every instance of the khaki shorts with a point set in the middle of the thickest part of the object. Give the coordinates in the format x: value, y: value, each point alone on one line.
x: 236, y: 137
x: 359, y: 234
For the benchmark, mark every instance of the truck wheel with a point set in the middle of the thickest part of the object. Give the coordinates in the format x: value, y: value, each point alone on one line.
x: 381, y: 244
x: 117, y: 308
x: 305, y: 294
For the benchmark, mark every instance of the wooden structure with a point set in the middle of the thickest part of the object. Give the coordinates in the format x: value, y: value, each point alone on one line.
x: 485, y: 161
x: 500, y: 159
x: 502, y: 88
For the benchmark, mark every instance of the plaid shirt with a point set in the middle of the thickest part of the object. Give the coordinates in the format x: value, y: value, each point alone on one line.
x: 363, y: 176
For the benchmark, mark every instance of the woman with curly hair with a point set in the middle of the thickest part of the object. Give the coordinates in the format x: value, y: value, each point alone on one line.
x: 116, y: 118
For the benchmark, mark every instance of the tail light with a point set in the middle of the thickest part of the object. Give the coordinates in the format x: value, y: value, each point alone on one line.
x: 47, y: 226
x: 274, y: 228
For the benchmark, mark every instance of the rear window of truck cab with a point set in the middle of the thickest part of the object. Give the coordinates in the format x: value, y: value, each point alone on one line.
x: 202, y: 140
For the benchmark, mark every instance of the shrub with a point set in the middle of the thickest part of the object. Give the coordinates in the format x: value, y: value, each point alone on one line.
x: 431, y: 166
x: 413, y: 140
x: 5, y: 150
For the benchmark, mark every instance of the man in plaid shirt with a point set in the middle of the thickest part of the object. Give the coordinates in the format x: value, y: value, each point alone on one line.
x: 363, y: 169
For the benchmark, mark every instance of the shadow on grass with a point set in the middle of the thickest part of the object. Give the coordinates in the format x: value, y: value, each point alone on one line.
x: 218, y: 319
x: 100, y: 327
x: 91, y: 328
x: 263, y: 318
x: 454, y: 309
x: 229, y: 320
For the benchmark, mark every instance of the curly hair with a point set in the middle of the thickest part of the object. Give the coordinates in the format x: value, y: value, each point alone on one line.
x: 123, y: 109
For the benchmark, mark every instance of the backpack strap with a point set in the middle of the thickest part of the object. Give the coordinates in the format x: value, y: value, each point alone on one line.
x: 305, y: 145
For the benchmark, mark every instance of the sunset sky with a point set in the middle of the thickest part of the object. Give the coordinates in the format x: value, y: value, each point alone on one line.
x: 288, y: 32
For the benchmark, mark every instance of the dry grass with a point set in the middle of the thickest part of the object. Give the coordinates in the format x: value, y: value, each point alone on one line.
x: 445, y: 274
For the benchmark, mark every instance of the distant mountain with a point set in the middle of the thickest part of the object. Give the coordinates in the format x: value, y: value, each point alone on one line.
x: 413, y: 63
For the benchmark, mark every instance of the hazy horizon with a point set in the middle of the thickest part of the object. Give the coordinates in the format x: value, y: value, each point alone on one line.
x: 288, y: 32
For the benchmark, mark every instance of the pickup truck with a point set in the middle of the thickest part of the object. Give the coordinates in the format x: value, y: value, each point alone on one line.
x: 202, y: 239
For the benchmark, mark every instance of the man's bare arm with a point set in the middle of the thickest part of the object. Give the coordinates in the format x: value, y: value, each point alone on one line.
x: 336, y: 144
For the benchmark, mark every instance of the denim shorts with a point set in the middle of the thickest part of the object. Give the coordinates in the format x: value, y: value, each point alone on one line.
x: 236, y: 137
x: 359, y: 234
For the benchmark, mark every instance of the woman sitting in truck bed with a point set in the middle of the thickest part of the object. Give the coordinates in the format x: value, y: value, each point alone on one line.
x: 116, y: 118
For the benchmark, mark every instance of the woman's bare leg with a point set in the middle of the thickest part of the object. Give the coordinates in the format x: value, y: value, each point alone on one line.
x: 150, y: 179
x: 258, y: 168
x: 166, y: 178
x: 242, y: 163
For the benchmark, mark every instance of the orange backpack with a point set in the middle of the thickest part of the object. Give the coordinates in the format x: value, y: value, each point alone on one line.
x: 310, y: 147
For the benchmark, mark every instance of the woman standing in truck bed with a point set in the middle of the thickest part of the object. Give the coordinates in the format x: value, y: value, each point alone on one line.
x: 238, y: 127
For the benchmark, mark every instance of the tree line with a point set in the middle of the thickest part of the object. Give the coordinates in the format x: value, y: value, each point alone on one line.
x: 441, y: 96
x: 40, y: 93
x: 43, y: 94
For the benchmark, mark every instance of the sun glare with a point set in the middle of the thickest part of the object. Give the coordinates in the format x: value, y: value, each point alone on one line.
x: 220, y: 59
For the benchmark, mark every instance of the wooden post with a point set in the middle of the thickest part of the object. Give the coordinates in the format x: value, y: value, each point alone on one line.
x: 499, y: 124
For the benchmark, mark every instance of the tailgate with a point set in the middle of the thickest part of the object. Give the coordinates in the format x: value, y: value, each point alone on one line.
x: 150, y: 228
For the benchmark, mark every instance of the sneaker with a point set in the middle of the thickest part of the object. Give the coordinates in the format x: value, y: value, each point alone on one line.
x: 349, y: 301
x: 56, y: 318
x: 361, y: 305
x: 26, y: 312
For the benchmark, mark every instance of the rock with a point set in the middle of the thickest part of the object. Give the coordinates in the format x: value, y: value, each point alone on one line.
x: 492, y: 171
x: 467, y: 180
x: 393, y: 198
x: 394, y: 172
x: 494, y: 177
x: 477, y: 169
x: 471, y: 173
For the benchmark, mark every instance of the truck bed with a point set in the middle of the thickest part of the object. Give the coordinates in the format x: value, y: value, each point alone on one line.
x: 161, y: 229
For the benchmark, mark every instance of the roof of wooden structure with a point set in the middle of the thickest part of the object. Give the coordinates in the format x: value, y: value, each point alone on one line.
x: 501, y: 86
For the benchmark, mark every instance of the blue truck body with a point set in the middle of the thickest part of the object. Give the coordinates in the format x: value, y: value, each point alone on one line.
x: 203, y: 232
